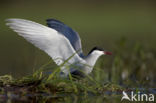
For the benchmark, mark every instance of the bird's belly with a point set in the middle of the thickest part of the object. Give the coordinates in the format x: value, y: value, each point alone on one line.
x: 77, y: 70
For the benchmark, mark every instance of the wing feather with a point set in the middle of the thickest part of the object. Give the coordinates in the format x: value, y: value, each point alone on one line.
x: 68, y: 32
x: 47, y: 39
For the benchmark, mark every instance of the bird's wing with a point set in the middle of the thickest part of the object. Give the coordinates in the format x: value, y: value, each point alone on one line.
x: 49, y: 40
x: 70, y: 34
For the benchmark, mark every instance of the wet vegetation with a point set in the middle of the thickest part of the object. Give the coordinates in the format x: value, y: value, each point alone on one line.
x: 126, y: 70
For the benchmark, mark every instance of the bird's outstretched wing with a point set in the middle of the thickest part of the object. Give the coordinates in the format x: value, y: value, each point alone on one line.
x: 70, y: 34
x: 56, y: 45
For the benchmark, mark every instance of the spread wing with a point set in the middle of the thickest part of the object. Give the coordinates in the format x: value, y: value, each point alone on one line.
x: 56, y: 45
x: 70, y: 34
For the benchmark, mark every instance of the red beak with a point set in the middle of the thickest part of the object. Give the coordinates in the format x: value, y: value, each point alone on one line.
x: 107, y: 53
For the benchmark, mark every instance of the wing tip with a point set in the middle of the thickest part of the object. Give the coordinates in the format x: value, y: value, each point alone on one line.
x: 53, y: 20
x: 17, y: 20
x: 10, y: 21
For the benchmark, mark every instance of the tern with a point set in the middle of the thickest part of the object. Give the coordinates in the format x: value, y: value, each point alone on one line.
x: 60, y: 42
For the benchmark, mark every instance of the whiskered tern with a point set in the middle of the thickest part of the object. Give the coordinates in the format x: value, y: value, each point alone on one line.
x: 60, y: 42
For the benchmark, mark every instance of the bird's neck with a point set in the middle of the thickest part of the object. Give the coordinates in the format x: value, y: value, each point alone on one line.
x: 92, y: 58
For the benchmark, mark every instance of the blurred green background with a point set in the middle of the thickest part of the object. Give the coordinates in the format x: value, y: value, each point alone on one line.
x: 99, y: 23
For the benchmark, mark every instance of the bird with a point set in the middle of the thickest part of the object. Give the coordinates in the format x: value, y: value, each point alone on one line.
x: 60, y: 42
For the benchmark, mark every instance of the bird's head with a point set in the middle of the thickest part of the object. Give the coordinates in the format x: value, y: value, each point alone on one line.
x: 94, y: 54
x: 99, y: 51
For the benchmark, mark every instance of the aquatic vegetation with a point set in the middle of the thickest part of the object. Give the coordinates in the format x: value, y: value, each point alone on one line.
x: 131, y: 66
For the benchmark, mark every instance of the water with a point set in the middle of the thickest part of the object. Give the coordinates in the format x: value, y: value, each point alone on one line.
x: 106, y: 97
